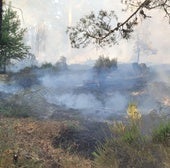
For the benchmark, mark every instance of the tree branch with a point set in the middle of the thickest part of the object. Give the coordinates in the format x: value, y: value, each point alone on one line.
x: 122, y: 24
x: 100, y: 29
x: 18, y: 9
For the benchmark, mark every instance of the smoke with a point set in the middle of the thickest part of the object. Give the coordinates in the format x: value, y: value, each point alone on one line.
x: 85, y: 90
x: 11, y: 89
x: 80, y: 88
x: 47, y: 22
x: 71, y: 79
x: 80, y: 101
x: 106, y: 94
x: 117, y: 102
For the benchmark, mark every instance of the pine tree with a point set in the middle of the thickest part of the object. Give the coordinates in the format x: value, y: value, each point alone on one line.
x: 104, y: 29
x: 11, y: 43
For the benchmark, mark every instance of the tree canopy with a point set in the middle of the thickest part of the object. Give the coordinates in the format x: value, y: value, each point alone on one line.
x: 11, y: 44
x: 105, y: 29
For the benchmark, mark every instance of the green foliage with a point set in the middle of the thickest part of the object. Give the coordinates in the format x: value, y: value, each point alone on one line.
x: 11, y: 44
x: 14, y: 110
x: 105, y: 63
x: 60, y: 65
x: 91, y: 28
x: 105, y: 155
x: 132, y: 135
x: 46, y: 65
x: 128, y: 147
x: 117, y: 154
x: 104, y: 27
x: 162, y: 134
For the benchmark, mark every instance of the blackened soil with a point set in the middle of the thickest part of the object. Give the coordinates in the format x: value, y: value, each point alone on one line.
x: 82, y: 140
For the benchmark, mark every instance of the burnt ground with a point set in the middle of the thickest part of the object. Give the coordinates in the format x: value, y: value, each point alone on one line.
x: 82, y: 140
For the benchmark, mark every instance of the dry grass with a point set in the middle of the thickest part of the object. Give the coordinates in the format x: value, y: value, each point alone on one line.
x: 31, y: 141
x: 130, y: 148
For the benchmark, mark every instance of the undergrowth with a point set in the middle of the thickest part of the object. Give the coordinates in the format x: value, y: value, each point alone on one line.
x: 14, y: 110
x: 161, y: 134
x: 128, y: 147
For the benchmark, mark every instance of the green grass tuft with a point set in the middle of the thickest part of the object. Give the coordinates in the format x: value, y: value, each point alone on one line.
x: 161, y: 134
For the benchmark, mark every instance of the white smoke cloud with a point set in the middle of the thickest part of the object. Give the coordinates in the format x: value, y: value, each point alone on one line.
x: 117, y: 102
x: 76, y: 101
x: 56, y: 15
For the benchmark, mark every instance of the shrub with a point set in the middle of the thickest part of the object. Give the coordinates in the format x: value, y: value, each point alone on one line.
x: 161, y: 134
x: 132, y: 136
x: 117, y: 154
x: 26, y: 77
x: 46, y: 65
x: 62, y: 64
x: 59, y: 66
x: 128, y: 147
x: 105, y: 63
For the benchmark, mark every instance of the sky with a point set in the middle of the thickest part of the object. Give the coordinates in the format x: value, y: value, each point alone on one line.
x: 51, y: 18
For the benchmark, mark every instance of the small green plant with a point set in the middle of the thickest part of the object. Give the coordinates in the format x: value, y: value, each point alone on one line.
x: 161, y: 134
x: 132, y: 135
x: 127, y: 133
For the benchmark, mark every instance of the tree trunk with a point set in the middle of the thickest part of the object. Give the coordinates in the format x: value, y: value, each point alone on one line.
x: 1, y: 19
x: 4, y: 69
x: 1, y: 67
x: 3, y: 63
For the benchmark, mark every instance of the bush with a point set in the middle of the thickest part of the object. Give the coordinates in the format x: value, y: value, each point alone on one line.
x: 132, y: 136
x: 59, y: 66
x: 26, y: 77
x: 62, y: 64
x: 129, y: 148
x: 105, y: 63
x: 161, y: 134
x: 46, y: 65
x: 117, y: 154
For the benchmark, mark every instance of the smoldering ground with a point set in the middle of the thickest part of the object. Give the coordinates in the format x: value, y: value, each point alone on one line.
x: 80, y: 91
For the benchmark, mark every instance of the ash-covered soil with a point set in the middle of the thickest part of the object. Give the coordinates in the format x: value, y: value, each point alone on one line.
x: 84, y: 94
x: 73, y: 108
